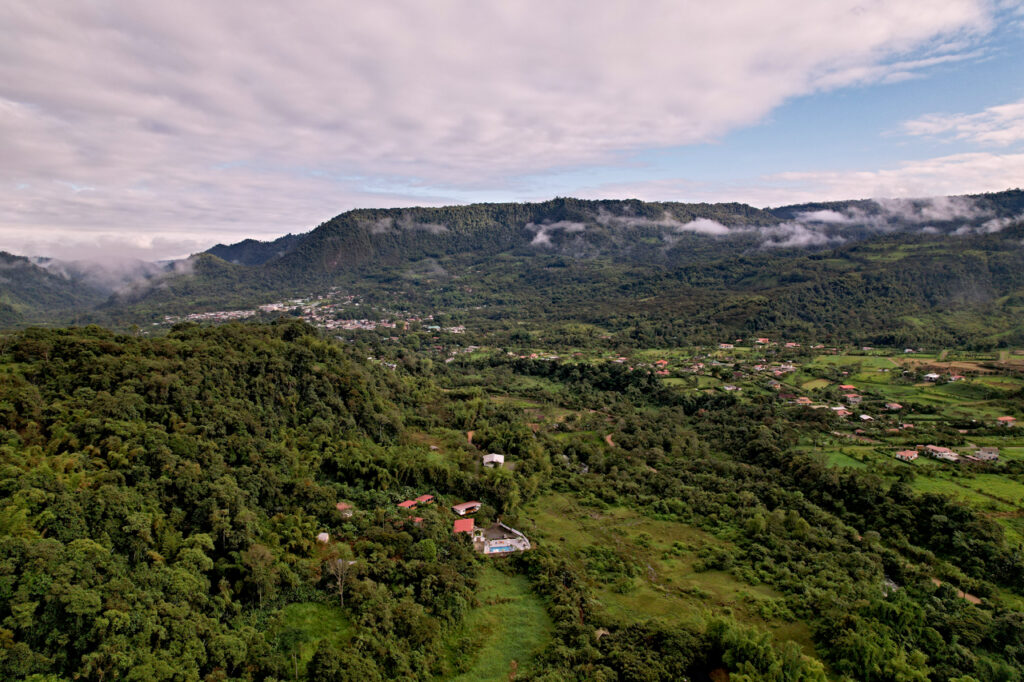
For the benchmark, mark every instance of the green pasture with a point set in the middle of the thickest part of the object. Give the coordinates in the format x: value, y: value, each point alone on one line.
x: 302, y: 626
x: 668, y: 585
x: 510, y: 626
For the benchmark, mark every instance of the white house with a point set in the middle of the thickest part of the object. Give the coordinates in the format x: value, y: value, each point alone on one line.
x: 494, y: 460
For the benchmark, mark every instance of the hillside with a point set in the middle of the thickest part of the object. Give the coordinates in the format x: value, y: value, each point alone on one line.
x: 171, y: 511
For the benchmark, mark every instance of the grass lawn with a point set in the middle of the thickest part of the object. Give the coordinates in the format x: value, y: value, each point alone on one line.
x: 509, y: 625
x: 815, y: 383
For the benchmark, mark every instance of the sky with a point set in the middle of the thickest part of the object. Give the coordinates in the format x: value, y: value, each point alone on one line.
x: 154, y: 130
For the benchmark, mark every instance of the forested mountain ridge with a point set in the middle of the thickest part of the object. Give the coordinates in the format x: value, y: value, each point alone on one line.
x: 943, y: 269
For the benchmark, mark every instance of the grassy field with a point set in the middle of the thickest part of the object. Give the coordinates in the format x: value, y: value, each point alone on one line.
x: 668, y: 584
x: 509, y: 625
x: 308, y: 624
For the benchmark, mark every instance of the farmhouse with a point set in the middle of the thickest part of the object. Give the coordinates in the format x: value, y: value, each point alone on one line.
x: 466, y: 508
x: 939, y: 452
x: 494, y: 459
x: 1006, y: 421
x: 906, y: 455
x: 498, y: 539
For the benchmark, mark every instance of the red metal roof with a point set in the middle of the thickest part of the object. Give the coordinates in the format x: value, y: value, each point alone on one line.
x: 425, y: 498
x: 463, y: 526
x: 342, y: 506
x: 408, y: 504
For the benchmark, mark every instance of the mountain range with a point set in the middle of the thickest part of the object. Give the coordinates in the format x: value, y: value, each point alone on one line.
x: 903, y: 267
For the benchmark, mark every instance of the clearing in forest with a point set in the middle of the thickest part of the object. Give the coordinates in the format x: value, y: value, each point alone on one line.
x: 509, y: 625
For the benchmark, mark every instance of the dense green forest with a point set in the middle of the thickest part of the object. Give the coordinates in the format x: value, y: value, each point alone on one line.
x: 162, y: 499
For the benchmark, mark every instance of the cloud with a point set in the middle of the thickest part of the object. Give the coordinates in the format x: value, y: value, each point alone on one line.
x: 544, y: 230
x: 823, y: 216
x: 795, y: 235
x: 404, y: 222
x: 700, y: 225
x: 998, y: 126
x: 703, y: 226
x: 150, y: 117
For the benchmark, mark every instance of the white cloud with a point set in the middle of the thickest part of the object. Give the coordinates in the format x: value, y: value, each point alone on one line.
x: 544, y: 230
x: 823, y: 216
x: 273, y: 118
x: 999, y: 125
x: 703, y: 226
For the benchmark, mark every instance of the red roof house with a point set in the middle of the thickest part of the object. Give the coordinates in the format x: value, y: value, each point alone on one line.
x: 408, y: 504
x: 463, y: 526
x: 425, y: 499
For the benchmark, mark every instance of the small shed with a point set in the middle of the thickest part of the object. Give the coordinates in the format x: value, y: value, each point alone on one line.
x: 493, y: 459
x: 323, y: 538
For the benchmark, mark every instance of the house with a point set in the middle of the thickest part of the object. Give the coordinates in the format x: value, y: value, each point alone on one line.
x: 463, y: 526
x: 893, y: 406
x: 988, y: 454
x: 345, y: 509
x: 425, y: 499
x: 494, y: 459
x: 842, y: 412
x: 323, y: 538
x: 847, y: 387
x: 932, y: 376
x: 939, y: 452
x: 792, y: 344
x: 763, y: 340
x: 1006, y: 421
x: 852, y: 398
x: 867, y: 418
x: 661, y: 363
x: 803, y: 400
x: 407, y: 504
x: 906, y: 426
x: 906, y: 455
x: 498, y: 539
x: 466, y: 508
x: 417, y: 520
x: 726, y: 346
